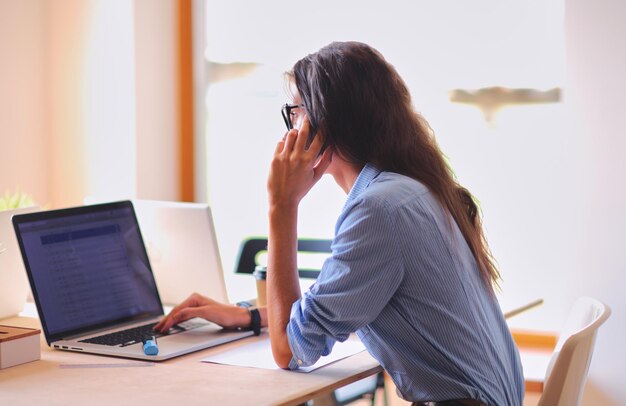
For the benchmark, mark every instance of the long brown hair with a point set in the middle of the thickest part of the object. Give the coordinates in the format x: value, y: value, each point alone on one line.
x: 364, y: 111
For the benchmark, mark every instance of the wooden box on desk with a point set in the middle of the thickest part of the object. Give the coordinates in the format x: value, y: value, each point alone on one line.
x: 18, y: 345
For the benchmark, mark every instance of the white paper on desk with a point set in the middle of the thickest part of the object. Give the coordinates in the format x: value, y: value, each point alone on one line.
x: 259, y: 355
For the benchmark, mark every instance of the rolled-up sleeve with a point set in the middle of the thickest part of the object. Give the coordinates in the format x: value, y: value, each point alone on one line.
x: 354, y: 285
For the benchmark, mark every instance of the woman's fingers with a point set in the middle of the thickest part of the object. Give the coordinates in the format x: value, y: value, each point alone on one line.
x: 194, y: 300
x: 295, y: 168
x: 303, y: 134
x: 189, y: 313
x: 223, y: 314
x: 289, y: 141
x: 176, y: 318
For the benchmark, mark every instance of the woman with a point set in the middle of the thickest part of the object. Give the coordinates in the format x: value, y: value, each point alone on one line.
x: 410, y: 270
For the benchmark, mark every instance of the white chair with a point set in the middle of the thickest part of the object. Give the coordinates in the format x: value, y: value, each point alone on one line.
x: 567, y: 371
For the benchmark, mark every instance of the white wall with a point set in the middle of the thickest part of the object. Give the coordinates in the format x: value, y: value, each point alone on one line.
x: 23, y: 109
x: 68, y: 44
x: 596, y: 88
x: 87, y: 106
x: 436, y: 46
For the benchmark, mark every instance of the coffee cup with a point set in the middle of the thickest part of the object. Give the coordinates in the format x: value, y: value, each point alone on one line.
x: 260, y: 274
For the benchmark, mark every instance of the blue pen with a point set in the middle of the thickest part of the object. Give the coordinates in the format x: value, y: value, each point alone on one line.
x: 150, y: 346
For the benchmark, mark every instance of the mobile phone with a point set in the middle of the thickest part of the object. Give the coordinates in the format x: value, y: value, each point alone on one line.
x: 311, y: 136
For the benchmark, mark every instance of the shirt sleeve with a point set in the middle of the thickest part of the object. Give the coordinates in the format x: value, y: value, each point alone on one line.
x: 354, y: 285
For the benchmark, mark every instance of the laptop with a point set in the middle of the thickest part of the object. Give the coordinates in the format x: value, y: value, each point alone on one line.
x: 182, y: 247
x: 13, y: 281
x: 93, y: 284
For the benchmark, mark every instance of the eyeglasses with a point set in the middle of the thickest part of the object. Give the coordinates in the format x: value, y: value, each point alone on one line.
x: 288, y: 115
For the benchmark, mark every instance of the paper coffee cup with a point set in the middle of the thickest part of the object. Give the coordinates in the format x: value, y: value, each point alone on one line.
x: 260, y: 275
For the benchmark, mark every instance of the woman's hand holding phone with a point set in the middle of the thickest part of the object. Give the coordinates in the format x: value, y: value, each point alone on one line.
x: 296, y: 167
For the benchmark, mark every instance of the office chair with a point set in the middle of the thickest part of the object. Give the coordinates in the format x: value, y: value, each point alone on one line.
x: 568, y: 367
x: 250, y: 248
x: 247, y: 261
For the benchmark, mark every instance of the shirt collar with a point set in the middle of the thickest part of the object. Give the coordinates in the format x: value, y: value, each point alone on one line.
x: 368, y: 174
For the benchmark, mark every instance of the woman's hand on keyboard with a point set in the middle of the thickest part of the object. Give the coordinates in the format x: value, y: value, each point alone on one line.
x: 196, y: 305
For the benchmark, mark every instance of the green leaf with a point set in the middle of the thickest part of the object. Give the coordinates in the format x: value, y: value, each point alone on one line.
x: 15, y: 200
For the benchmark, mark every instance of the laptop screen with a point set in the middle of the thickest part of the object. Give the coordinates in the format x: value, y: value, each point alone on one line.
x: 87, y: 267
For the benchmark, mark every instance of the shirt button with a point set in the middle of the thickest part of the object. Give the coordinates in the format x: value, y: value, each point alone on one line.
x: 300, y: 362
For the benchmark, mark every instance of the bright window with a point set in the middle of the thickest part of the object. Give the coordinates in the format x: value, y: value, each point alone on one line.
x: 436, y: 47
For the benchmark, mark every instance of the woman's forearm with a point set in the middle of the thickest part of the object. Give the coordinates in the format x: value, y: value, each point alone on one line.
x: 283, y: 287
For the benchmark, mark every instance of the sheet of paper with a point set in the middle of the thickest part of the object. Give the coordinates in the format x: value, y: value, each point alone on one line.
x: 259, y: 355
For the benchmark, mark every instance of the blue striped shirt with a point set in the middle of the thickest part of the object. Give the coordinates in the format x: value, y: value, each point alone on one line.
x: 403, y: 278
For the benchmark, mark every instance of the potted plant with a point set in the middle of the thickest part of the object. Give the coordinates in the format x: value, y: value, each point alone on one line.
x: 15, y: 200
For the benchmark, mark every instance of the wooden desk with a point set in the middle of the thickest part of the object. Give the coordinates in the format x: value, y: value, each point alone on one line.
x: 67, y: 378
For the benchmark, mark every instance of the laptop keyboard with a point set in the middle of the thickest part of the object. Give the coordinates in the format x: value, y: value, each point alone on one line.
x: 137, y: 334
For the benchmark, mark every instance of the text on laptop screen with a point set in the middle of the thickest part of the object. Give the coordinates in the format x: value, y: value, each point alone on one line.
x: 89, y: 269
